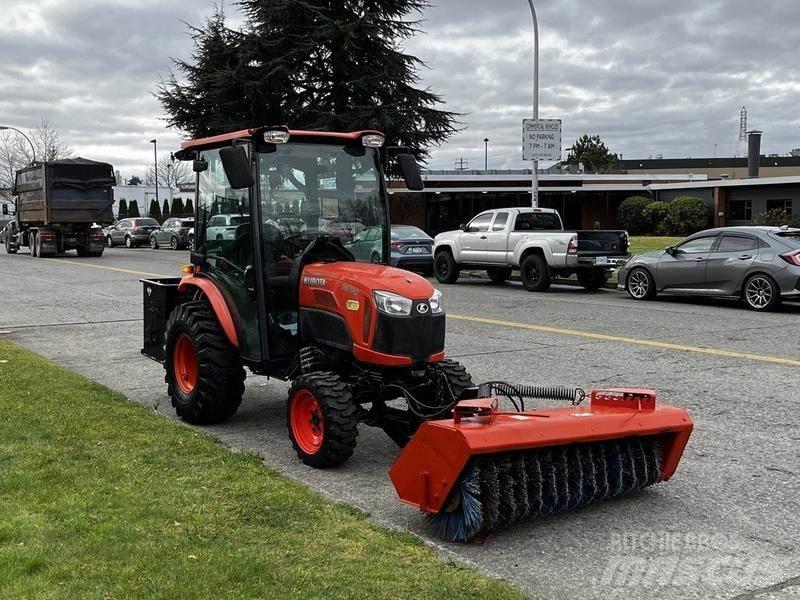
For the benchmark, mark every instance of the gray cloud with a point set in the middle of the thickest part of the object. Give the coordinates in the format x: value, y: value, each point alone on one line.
x: 648, y: 76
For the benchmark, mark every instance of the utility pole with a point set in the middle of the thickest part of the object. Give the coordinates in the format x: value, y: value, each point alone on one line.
x: 535, y: 174
x: 33, y: 150
x: 485, y: 154
x: 155, y: 164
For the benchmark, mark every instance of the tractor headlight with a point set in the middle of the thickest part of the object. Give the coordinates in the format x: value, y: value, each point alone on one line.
x: 393, y: 304
x: 372, y: 140
x: 436, y: 303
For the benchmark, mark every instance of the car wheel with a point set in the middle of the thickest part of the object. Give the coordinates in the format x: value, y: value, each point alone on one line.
x: 640, y: 285
x: 445, y: 266
x: 191, y: 244
x: 375, y: 258
x: 32, y: 240
x: 498, y: 275
x: 534, y: 273
x: 761, y: 293
x: 173, y: 243
x: 128, y: 241
x: 153, y: 243
x: 109, y: 242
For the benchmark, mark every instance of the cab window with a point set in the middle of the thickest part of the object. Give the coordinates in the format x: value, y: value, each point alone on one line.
x: 480, y: 224
x: 500, y: 221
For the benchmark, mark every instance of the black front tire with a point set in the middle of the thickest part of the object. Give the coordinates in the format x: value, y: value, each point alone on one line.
x: 220, y: 375
x: 33, y: 240
x: 129, y: 242
x: 458, y: 378
x: 338, y: 413
x: 498, y: 275
x: 173, y: 243
x: 534, y: 273
x: 153, y: 243
x: 445, y: 267
x: 592, y: 280
x: 109, y: 241
x: 9, y: 249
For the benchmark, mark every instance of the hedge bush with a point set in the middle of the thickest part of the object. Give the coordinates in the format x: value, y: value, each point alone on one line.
x: 657, y: 216
x: 687, y: 215
x: 775, y: 218
x: 631, y: 214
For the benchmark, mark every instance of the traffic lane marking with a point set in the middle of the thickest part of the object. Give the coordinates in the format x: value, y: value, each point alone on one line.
x: 628, y: 340
x: 62, y: 261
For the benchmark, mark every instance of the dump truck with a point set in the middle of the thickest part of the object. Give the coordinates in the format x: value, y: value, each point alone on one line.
x: 62, y: 205
x: 363, y: 343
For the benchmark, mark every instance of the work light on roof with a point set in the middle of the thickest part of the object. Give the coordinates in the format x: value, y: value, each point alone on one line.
x: 276, y: 136
x: 372, y: 140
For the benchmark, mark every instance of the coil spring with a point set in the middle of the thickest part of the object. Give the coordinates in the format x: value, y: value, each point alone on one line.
x: 540, y: 392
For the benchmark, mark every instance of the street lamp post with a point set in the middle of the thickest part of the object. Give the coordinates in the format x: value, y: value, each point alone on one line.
x: 33, y: 150
x: 535, y: 176
x: 485, y: 154
x: 155, y: 165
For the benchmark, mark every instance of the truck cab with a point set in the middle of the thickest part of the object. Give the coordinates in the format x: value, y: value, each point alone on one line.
x: 532, y: 240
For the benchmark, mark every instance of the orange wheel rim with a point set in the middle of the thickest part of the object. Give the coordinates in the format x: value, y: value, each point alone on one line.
x: 308, y: 426
x: 184, y: 360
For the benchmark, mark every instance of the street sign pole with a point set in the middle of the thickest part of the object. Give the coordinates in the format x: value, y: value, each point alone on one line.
x: 535, y: 168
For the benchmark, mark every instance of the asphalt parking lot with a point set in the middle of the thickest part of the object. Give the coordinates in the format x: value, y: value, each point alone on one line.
x: 725, y: 527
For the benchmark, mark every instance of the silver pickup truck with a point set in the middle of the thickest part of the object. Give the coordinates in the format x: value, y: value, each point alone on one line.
x: 532, y: 240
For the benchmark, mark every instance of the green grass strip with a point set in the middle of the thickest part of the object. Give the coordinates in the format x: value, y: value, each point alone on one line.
x: 100, y: 498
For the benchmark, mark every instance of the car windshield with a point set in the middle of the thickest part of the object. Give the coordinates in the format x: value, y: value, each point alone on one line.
x: 146, y: 223
x: 310, y: 190
x: 187, y: 223
x: 408, y: 233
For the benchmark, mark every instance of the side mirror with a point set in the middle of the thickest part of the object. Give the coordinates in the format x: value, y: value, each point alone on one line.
x: 410, y: 171
x: 198, y: 166
x: 237, y: 167
x: 463, y: 227
x: 671, y: 250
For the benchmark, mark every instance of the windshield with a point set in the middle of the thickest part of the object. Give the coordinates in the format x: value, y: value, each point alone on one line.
x: 311, y: 190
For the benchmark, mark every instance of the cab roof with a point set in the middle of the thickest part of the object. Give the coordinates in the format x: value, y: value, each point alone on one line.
x: 304, y: 134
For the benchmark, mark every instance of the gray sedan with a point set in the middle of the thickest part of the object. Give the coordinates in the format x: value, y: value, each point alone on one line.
x: 759, y: 265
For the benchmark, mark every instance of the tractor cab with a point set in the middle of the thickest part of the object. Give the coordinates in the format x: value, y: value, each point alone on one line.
x: 271, y: 201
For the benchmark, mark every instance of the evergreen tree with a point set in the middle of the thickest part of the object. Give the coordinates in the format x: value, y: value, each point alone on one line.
x: 177, y: 207
x: 122, y: 210
x: 189, y: 210
x: 135, y: 180
x: 165, y: 214
x: 593, y: 153
x: 314, y: 64
x: 155, y: 210
x: 133, y: 209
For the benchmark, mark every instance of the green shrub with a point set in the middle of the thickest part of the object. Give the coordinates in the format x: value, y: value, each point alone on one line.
x: 177, y: 207
x: 631, y: 214
x: 686, y: 215
x: 133, y: 209
x: 776, y: 217
x: 165, y: 211
x: 122, y: 210
x: 155, y: 210
x: 657, y: 216
x: 189, y: 208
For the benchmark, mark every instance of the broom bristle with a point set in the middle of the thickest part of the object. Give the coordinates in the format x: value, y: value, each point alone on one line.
x: 500, y: 489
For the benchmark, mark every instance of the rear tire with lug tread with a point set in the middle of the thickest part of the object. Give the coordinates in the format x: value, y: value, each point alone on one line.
x: 498, y: 275
x: 534, y: 273
x: 322, y: 419
x: 33, y: 240
x: 445, y: 267
x: 640, y: 284
x: 204, y: 372
x: 761, y: 293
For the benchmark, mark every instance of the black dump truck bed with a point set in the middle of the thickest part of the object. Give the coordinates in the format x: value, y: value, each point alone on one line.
x: 73, y: 190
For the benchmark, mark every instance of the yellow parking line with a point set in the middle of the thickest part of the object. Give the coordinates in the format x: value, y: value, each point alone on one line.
x: 627, y: 340
x: 62, y: 261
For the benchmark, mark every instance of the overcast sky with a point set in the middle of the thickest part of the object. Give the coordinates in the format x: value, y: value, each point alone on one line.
x: 648, y: 76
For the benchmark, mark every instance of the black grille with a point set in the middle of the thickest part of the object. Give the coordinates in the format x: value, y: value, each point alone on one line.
x: 418, y: 335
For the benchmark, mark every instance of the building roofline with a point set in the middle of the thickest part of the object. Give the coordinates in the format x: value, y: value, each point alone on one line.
x: 755, y: 181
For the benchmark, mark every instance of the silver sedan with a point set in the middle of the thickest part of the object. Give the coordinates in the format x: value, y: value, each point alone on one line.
x: 759, y: 265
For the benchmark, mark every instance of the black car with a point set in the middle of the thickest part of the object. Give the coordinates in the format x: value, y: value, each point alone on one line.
x: 173, y: 233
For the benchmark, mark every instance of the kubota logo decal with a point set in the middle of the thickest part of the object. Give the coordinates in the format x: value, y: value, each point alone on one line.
x: 318, y: 281
x: 422, y: 308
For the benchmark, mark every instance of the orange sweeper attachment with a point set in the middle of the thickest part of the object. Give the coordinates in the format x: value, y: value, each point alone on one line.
x: 485, y: 469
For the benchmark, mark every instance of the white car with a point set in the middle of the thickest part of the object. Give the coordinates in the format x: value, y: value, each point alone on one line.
x: 223, y: 227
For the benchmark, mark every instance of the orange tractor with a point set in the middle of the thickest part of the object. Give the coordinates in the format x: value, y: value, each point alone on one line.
x: 271, y: 288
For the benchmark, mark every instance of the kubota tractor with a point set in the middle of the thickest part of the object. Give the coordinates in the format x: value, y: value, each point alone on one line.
x: 273, y: 287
